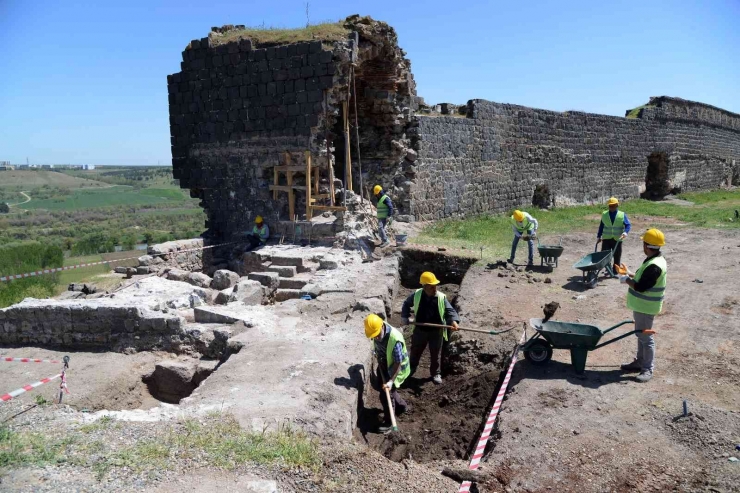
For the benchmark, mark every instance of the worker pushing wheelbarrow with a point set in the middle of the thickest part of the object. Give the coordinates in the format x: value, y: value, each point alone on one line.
x: 578, y: 338
x: 592, y: 264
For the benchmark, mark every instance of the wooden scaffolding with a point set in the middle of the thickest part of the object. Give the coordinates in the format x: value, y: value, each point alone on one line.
x: 311, y: 186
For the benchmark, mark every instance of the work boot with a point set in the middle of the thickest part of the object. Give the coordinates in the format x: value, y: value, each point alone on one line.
x: 385, y: 428
x: 634, y: 366
x: 437, y: 379
x: 644, y: 376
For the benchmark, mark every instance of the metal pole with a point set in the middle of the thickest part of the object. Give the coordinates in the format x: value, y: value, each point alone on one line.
x: 357, y: 135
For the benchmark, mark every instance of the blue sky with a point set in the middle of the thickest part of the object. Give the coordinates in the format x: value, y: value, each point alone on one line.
x: 85, y: 81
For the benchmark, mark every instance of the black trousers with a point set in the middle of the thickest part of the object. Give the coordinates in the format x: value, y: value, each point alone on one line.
x: 254, y: 242
x: 419, y: 341
x: 399, y: 404
x: 608, y: 245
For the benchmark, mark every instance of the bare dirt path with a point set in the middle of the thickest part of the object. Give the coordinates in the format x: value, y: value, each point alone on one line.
x: 602, y: 431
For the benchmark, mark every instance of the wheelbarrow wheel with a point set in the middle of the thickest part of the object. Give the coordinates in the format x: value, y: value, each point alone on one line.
x: 539, y: 352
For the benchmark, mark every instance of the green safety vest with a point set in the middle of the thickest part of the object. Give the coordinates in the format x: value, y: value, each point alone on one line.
x: 440, y: 307
x: 382, y: 207
x: 526, y: 225
x: 397, y: 336
x: 649, y: 302
x: 612, y: 231
x: 262, y: 232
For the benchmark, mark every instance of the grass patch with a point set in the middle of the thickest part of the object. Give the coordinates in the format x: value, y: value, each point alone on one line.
x: 270, y: 36
x: 493, y: 232
x: 30, y: 449
x: 635, y: 112
x: 117, y: 195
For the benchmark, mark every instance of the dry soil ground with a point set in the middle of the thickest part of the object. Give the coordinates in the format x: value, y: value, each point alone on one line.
x: 558, y: 431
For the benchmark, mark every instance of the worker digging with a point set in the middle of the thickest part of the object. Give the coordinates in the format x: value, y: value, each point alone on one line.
x: 613, y: 229
x: 645, y: 297
x: 384, y: 213
x: 430, y: 306
x: 393, y: 366
x: 524, y: 226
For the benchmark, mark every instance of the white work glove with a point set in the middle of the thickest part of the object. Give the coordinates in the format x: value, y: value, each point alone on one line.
x: 623, y: 279
x: 388, y: 385
x: 623, y: 236
x: 405, y: 321
x: 533, y: 235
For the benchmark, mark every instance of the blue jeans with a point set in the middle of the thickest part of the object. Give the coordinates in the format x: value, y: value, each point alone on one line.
x: 381, y: 229
x: 530, y: 258
x: 645, y: 342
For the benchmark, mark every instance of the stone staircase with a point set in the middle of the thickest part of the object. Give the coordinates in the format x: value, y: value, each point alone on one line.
x: 284, y: 276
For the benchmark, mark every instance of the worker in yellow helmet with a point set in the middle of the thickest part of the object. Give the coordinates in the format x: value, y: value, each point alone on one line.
x: 393, y: 364
x: 645, y: 298
x: 613, y: 228
x: 259, y: 235
x: 523, y: 225
x: 430, y: 306
x: 385, y: 211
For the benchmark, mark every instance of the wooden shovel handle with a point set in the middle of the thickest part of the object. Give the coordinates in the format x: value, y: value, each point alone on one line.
x: 390, y: 406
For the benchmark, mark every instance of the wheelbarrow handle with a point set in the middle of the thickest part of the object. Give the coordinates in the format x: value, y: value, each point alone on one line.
x: 618, y: 325
x: 618, y: 338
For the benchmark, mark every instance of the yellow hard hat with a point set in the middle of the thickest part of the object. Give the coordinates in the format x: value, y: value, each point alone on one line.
x: 613, y: 201
x: 518, y: 216
x: 428, y: 278
x: 377, y: 189
x: 653, y: 237
x: 258, y: 219
x: 373, y: 325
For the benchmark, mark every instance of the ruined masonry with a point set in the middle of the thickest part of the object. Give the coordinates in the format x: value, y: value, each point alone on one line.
x: 239, y: 110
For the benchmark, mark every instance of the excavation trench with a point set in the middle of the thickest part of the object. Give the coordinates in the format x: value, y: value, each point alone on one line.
x: 444, y: 421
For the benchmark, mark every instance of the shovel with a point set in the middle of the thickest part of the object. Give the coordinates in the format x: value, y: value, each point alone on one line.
x: 490, y: 332
x: 394, y: 426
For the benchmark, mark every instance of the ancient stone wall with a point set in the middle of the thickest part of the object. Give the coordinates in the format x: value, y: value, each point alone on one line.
x: 494, y: 160
x: 237, y: 110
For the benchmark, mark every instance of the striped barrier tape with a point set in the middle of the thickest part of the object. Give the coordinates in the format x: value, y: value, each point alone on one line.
x: 26, y: 388
x: 486, y: 434
x: 29, y: 360
x: 78, y: 266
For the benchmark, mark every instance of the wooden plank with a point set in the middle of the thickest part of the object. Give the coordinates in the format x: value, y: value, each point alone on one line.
x: 328, y: 208
x: 316, y: 180
x: 308, y: 185
x: 291, y: 196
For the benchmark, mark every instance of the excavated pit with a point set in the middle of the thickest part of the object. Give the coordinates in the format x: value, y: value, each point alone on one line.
x: 444, y: 420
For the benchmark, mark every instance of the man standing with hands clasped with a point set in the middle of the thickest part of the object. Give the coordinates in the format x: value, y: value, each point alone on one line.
x: 645, y: 298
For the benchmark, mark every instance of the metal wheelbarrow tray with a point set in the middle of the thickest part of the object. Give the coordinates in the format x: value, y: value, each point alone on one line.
x: 579, y: 338
x: 591, y: 265
x: 549, y: 254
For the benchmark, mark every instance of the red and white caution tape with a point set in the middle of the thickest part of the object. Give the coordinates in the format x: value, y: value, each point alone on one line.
x: 486, y: 434
x: 29, y: 360
x: 26, y: 388
x: 90, y: 264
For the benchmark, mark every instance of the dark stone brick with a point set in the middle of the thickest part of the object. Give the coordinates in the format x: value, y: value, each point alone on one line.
x: 315, y: 96
x: 282, y: 52
x: 301, y: 97
x: 312, y: 84
x: 245, y: 45
x: 302, y: 48
x: 300, y: 85
x: 232, y: 47
x: 270, y: 53
x: 315, y: 47
x: 320, y: 70
x: 259, y: 55
x: 276, y: 64
x: 266, y: 77
x: 325, y: 57
x: 294, y: 73
x: 280, y: 75
x: 289, y: 86
x: 327, y: 82
x: 306, y: 72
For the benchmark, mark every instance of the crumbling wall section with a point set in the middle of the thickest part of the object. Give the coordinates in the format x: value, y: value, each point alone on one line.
x: 494, y: 160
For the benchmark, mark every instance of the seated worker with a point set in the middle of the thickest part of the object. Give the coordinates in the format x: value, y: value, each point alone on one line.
x: 259, y: 235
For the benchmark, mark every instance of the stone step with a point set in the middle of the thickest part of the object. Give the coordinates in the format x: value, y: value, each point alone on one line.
x: 287, y: 294
x: 294, y: 261
x: 266, y: 265
x: 269, y: 279
x: 291, y: 283
x: 283, y: 270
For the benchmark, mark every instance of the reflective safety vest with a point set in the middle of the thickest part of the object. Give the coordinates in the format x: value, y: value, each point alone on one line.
x: 395, y: 337
x: 382, y: 207
x: 649, y: 302
x: 440, y: 307
x: 263, y: 232
x: 526, y: 225
x: 612, y: 231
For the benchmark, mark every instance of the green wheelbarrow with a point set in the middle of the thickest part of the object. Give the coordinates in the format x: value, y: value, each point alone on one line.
x: 579, y: 338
